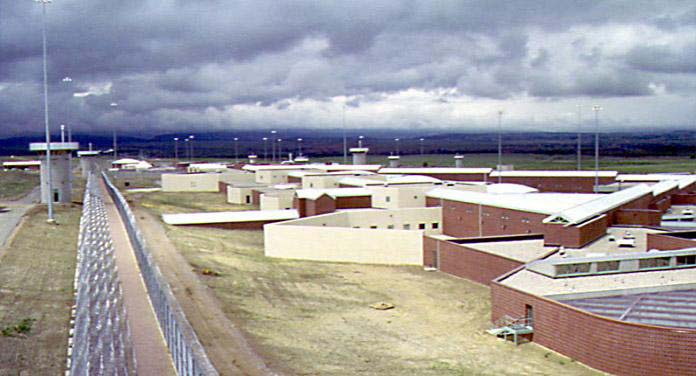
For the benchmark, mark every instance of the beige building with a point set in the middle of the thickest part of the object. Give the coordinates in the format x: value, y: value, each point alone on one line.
x: 241, y: 194
x: 396, y: 197
x: 372, y: 236
x: 190, y: 182
x: 232, y: 176
x: 279, y: 200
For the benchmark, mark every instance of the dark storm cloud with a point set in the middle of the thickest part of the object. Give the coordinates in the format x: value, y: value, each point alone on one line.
x: 194, y: 59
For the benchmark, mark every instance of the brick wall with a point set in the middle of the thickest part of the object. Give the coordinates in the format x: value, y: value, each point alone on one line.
x: 465, y: 262
x: 575, y: 236
x: 322, y: 205
x: 665, y: 242
x: 612, y: 346
x: 643, y: 217
x: 222, y: 187
x: 257, y: 225
x: 558, y: 184
x: 357, y: 202
x: 684, y: 199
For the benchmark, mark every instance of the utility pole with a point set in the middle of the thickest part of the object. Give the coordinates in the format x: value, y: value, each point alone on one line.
x: 47, y: 130
x: 579, y: 137
x: 345, y: 139
x: 236, y: 155
x: 265, y: 149
x: 500, y: 145
x: 176, y: 150
x: 596, y: 110
x: 273, y: 139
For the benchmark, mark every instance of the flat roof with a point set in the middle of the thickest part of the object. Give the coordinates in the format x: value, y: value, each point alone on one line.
x: 230, y: 217
x: 662, y: 308
x: 55, y: 146
x: 519, y: 250
x: 434, y: 170
x: 553, y: 174
x: 664, y: 186
x: 606, y: 247
x: 542, y: 203
x: 362, y: 181
x: 650, y: 177
x: 299, y: 174
x: 21, y: 163
x: 313, y: 194
x: 88, y: 153
x: 599, y: 205
x: 538, y: 284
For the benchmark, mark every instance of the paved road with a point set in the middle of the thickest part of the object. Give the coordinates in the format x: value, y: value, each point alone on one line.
x: 151, y: 353
x: 10, y: 219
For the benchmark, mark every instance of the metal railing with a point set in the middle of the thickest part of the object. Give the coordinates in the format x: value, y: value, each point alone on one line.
x: 187, y: 352
x: 100, y: 341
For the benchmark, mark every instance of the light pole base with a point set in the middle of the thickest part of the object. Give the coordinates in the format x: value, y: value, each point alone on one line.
x: 51, y: 221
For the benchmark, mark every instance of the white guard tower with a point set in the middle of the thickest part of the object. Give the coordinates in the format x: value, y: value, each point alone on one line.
x: 359, y: 155
x: 60, y: 170
x: 394, y: 161
x: 88, y: 159
x: 458, y: 161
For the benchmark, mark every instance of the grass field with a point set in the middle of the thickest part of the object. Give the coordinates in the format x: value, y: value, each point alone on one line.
x: 15, y: 184
x: 36, y: 277
x: 312, y: 318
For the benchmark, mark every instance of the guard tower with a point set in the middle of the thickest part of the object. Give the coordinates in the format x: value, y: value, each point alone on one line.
x: 394, y: 161
x: 458, y: 161
x: 253, y: 158
x: 359, y: 155
x: 60, y: 170
x: 88, y: 160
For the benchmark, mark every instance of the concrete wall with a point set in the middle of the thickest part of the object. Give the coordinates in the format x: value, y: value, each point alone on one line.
x: 277, y: 201
x: 365, y: 236
x: 608, y: 345
x: 190, y: 182
x: 399, y: 197
x: 321, y: 182
x: 239, y: 195
x: 271, y: 177
x: 464, y: 262
x: 237, y: 177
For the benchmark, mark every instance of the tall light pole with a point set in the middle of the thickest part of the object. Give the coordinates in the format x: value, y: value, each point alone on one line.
x: 114, y: 105
x: 280, y: 150
x: 236, y: 151
x: 500, y: 145
x: 396, y: 140
x: 191, y: 137
x: 345, y: 139
x: 67, y: 80
x: 265, y: 149
x: 579, y: 137
x: 188, y: 150
x: 273, y: 158
x: 360, y: 140
x: 62, y: 133
x: 47, y: 130
x: 596, y: 110
x: 299, y: 147
x: 420, y: 140
x: 176, y: 150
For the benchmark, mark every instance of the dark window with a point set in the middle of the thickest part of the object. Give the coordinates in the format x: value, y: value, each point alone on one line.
x: 658, y: 262
x: 407, y: 226
x: 435, y: 225
x: 564, y: 269
x: 608, y: 266
x: 373, y: 227
x: 421, y: 226
x: 686, y: 260
x: 248, y: 199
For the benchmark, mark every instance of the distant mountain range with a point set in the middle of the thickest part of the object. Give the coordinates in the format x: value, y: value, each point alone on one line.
x: 320, y: 143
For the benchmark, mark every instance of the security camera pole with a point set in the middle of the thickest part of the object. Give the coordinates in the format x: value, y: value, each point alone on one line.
x: 47, y: 130
x: 596, y: 110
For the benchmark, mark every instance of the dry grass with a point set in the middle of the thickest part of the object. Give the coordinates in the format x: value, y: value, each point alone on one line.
x: 313, y: 318
x: 16, y: 184
x: 36, y: 276
x: 177, y: 202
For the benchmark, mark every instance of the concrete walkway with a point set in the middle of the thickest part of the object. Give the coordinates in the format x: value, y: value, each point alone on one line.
x: 11, y: 218
x: 151, y: 351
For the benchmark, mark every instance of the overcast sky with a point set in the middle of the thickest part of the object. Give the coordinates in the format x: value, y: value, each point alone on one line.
x: 175, y: 65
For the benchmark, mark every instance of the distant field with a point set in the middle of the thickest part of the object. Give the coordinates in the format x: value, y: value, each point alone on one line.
x: 15, y: 184
x: 36, y: 286
x: 313, y: 318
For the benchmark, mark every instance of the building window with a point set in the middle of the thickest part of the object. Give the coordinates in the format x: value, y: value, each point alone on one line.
x: 311, y: 185
x: 387, y: 199
x: 608, y: 266
x: 435, y: 225
x: 421, y: 226
x: 373, y: 227
x: 686, y: 260
x: 407, y: 226
x: 415, y: 197
x: 390, y: 227
x: 650, y: 263
x: 566, y: 269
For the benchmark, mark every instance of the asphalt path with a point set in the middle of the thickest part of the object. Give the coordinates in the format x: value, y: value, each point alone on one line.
x: 13, y: 216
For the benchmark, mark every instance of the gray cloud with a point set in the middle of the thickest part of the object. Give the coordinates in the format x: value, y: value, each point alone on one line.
x: 194, y: 63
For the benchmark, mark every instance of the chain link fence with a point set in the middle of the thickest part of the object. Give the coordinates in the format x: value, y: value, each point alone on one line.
x: 187, y: 352
x: 100, y: 341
